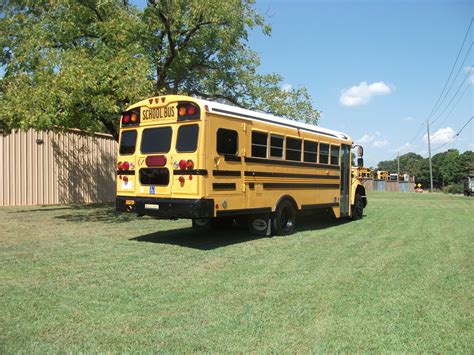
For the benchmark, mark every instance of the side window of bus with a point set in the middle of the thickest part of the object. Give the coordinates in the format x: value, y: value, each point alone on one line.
x: 156, y: 140
x: 324, y: 153
x: 128, y: 142
x: 227, y: 142
x: 310, y: 151
x: 334, y: 155
x: 187, y: 138
x: 293, y: 149
x: 276, y: 146
x: 259, y: 144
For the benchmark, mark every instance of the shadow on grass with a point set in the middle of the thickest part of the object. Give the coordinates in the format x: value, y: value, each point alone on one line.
x: 103, y: 212
x: 222, y: 237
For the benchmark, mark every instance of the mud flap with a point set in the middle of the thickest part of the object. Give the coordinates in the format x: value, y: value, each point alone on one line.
x: 260, y: 224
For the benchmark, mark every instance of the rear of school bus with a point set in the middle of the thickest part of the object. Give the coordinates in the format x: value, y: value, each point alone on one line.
x: 160, y: 164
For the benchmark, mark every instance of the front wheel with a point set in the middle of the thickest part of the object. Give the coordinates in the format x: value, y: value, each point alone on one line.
x: 357, y: 207
x: 284, y: 218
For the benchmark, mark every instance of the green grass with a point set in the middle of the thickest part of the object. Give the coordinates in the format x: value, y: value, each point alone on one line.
x: 84, y: 279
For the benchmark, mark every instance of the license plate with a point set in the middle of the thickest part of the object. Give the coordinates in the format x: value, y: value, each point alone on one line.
x: 150, y: 206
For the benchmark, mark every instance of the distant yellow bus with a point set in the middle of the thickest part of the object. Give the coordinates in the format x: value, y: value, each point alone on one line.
x: 183, y: 157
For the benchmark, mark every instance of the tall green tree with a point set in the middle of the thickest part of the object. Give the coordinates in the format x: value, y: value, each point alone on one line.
x: 78, y: 64
x: 449, y: 167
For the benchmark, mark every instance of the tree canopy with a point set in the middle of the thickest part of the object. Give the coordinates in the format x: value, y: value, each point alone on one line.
x: 78, y: 64
x: 449, y: 167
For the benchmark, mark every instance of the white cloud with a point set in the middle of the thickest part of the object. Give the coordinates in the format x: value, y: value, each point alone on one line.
x: 361, y: 94
x: 381, y: 143
x: 365, y: 139
x: 286, y: 87
x: 378, y: 140
x: 442, y: 135
x: 408, y: 118
x: 404, y: 148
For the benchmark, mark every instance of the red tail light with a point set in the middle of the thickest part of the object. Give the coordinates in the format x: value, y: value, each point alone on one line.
x: 192, y: 110
x: 181, y: 179
x: 190, y: 164
x: 182, y: 164
x: 125, y: 178
x: 125, y: 165
x: 155, y: 160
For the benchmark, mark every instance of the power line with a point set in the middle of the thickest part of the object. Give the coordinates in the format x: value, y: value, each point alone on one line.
x: 466, y: 78
x: 454, y: 80
x: 468, y: 84
x: 456, y: 135
x: 452, y: 68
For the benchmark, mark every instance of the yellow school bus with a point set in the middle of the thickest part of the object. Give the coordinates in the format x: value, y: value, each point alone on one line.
x: 184, y: 157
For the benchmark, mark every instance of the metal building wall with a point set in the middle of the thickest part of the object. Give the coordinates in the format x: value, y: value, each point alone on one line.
x: 388, y: 186
x: 65, y: 168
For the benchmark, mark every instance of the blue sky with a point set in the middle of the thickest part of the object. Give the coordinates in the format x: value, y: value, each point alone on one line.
x: 375, y: 68
x: 402, y: 50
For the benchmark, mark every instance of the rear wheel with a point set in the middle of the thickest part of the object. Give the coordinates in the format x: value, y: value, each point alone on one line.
x: 357, y: 207
x: 284, y: 218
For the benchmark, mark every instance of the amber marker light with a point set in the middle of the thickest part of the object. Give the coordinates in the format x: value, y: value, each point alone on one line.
x: 182, y: 111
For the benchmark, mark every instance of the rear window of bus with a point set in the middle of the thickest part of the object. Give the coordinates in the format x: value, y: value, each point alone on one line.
x: 187, y: 138
x: 156, y: 140
x: 128, y: 142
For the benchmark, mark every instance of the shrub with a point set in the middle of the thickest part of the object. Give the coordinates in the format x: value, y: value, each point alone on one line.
x: 454, y: 189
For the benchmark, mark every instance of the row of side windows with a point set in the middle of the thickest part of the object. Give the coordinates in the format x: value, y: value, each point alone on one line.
x: 294, y: 150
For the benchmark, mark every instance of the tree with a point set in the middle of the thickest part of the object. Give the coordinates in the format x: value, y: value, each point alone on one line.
x: 71, y: 63
x: 449, y: 168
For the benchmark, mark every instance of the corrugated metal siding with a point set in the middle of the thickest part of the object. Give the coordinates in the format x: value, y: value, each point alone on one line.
x: 388, y: 186
x: 66, y: 168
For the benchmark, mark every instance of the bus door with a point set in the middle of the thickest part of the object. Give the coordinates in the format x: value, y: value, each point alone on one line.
x: 227, y: 144
x: 345, y: 179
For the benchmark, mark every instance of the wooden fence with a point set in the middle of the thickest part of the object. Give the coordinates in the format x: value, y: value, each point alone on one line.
x: 42, y: 168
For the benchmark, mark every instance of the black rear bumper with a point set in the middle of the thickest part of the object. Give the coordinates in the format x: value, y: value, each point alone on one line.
x: 166, y: 208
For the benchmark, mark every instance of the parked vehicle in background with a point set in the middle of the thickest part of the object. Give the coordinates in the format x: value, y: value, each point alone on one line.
x: 469, y: 185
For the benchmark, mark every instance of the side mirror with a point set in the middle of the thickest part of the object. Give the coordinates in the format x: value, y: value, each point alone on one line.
x: 360, y: 151
x: 360, y: 162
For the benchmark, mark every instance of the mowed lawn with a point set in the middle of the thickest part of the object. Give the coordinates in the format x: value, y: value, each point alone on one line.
x: 78, y: 278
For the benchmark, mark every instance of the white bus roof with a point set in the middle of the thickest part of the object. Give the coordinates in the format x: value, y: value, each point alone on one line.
x: 255, y: 115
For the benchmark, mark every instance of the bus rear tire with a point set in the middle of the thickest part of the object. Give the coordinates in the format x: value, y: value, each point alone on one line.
x: 284, y: 218
x: 357, y: 208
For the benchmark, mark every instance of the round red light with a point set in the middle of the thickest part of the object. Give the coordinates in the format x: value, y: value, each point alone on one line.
x: 126, y: 118
x: 125, y: 178
x: 191, y: 110
x: 182, y: 164
x: 181, y: 179
x: 190, y: 164
x: 190, y: 177
x: 125, y: 165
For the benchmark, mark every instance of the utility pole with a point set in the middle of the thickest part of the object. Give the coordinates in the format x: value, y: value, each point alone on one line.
x: 429, y: 153
x: 398, y: 164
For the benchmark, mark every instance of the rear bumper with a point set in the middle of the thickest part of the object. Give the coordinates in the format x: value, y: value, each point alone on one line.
x: 166, y: 208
